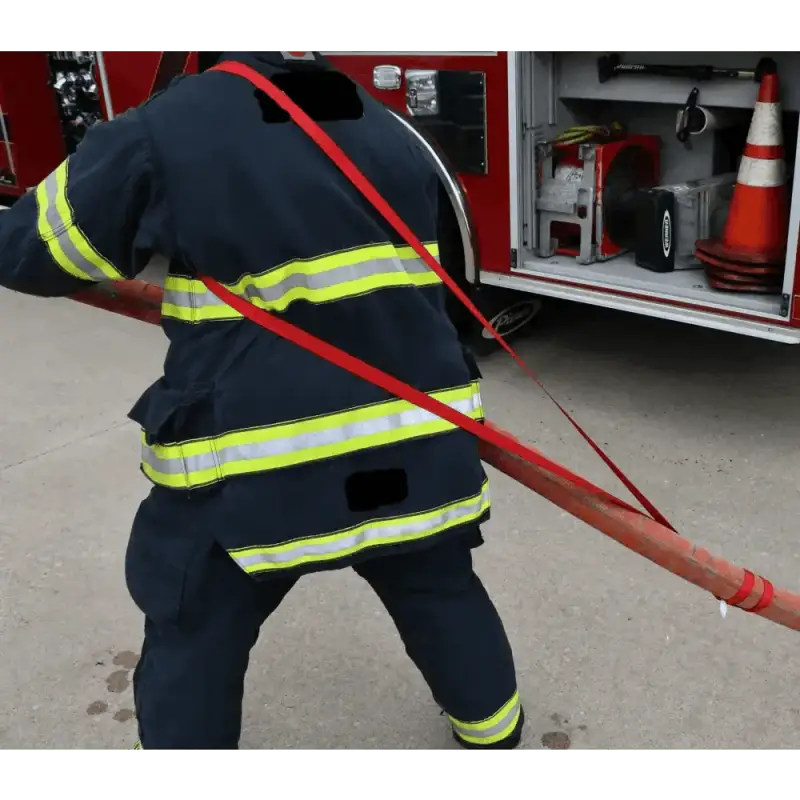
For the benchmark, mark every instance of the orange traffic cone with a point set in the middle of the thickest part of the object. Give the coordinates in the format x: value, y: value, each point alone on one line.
x: 758, y: 221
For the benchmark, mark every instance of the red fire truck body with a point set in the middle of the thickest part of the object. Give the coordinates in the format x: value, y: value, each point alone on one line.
x: 539, y: 214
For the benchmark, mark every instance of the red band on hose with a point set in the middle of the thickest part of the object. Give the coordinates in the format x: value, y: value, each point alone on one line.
x: 365, y: 371
x: 748, y: 582
x: 766, y: 598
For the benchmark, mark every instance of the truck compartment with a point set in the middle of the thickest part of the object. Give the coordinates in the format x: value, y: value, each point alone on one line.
x: 611, y: 198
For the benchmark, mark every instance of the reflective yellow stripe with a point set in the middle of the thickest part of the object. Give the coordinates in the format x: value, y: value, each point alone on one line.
x: 494, y: 729
x: 58, y: 229
x: 321, y: 280
x: 200, y: 462
x: 376, y: 533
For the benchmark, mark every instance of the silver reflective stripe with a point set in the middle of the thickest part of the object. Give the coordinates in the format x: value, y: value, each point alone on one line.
x: 379, y: 532
x: 269, y: 296
x: 67, y: 244
x: 218, y: 458
x: 324, y: 279
x: 496, y: 728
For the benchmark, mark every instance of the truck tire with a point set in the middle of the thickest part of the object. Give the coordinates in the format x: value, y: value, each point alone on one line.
x: 511, y: 314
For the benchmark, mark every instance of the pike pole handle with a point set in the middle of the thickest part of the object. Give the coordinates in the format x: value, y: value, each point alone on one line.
x: 611, y: 66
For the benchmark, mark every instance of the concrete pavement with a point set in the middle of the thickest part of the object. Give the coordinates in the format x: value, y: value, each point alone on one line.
x: 611, y: 651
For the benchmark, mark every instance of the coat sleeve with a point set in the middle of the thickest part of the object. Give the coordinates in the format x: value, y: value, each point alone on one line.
x: 98, y: 217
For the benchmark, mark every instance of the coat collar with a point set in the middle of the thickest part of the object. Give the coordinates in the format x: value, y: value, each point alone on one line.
x: 270, y: 63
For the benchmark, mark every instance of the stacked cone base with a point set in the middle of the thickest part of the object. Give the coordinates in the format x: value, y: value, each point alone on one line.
x: 717, y: 249
x: 729, y: 275
x: 749, y: 287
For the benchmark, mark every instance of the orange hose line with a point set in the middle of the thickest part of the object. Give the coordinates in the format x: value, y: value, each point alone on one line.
x: 633, y: 530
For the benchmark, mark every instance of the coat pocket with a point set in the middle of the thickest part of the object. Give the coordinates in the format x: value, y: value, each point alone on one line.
x: 171, y: 418
x: 168, y: 415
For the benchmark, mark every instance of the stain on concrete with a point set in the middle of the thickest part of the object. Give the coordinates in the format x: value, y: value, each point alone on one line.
x: 556, y: 740
x: 127, y: 659
x: 561, y: 739
x: 118, y: 681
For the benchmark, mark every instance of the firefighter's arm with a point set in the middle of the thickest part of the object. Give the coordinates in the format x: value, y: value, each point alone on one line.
x: 97, y: 217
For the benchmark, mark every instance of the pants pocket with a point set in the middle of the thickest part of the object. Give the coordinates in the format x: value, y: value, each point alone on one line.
x: 165, y: 558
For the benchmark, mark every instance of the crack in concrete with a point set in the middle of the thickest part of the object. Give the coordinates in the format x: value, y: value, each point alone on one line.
x: 79, y: 440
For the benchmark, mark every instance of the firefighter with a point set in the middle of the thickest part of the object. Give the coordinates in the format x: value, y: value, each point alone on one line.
x: 268, y: 463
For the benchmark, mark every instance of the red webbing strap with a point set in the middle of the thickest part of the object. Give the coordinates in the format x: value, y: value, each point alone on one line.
x: 365, y: 371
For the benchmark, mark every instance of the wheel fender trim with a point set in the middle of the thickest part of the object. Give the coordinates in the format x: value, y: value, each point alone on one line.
x: 455, y: 191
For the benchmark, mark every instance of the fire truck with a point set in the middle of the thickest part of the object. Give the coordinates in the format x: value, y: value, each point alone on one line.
x: 654, y: 183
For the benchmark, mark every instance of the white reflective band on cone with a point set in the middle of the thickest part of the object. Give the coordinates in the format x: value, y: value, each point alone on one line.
x: 766, y: 128
x: 371, y: 534
x: 494, y: 729
x: 762, y: 173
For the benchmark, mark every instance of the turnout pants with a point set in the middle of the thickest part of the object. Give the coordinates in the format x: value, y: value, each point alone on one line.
x: 189, y: 682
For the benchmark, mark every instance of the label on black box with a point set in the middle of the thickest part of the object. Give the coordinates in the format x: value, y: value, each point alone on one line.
x: 666, y: 234
x: 655, y: 230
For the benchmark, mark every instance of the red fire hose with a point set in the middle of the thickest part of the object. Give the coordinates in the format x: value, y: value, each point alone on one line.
x: 643, y: 535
